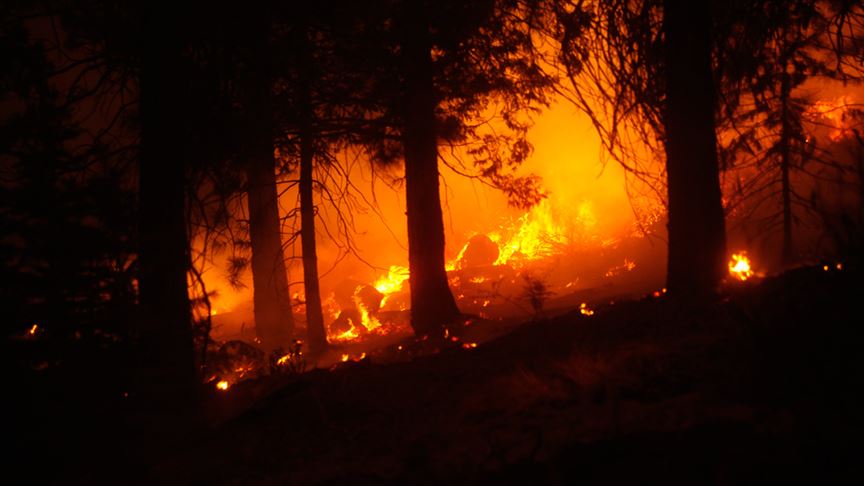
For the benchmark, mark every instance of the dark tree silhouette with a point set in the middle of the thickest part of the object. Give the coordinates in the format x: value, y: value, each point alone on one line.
x: 272, y: 301
x: 57, y: 181
x: 165, y: 330
x: 642, y: 71
x: 697, y: 234
x: 777, y: 151
x: 316, y: 334
x: 432, y: 303
x: 452, y: 61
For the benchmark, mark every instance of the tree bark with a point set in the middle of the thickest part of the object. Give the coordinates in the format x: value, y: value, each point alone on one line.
x: 316, y: 334
x: 168, y: 372
x: 274, y: 322
x: 697, y: 235
x: 785, y: 164
x: 432, y: 303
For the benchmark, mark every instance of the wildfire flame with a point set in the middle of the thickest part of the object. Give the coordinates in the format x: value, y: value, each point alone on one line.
x: 539, y: 232
x: 346, y: 357
x: 222, y: 385
x: 392, y: 282
x: 585, y: 310
x: 739, y: 266
x: 368, y: 321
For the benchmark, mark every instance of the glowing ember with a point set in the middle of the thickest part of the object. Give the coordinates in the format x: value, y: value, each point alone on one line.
x: 346, y: 357
x: 739, y: 266
x: 283, y: 360
x: 222, y: 385
x: 347, y: 335
x: 627, y: 266
x: 33, y: 330
x: 469, y: 345
x: 585, y: 310
x: 658, y: 293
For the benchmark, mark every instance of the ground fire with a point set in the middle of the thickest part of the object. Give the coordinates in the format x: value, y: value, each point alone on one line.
x: 444, y: 242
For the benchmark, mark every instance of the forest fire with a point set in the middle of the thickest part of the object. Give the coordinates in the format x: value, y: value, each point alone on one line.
x: 539, y: 233
x: 392, y: 282
x: 488, y: 270
x: 739, y: 266
x: 451, y: 241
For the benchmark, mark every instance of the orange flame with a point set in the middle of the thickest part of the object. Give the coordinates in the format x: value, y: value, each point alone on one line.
x: 739, y: 266
x: 222, y: 385
x: 392, y: 282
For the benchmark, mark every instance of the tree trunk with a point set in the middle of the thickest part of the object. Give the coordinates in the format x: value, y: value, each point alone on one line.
x: 168, y: 372
x: 274, y: 322
x: 785, y: 161
x: 432, y: 303
x: 316, y: 334
x: 697, y: 235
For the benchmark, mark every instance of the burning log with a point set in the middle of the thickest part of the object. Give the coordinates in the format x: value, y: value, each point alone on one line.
x: 479, y: 252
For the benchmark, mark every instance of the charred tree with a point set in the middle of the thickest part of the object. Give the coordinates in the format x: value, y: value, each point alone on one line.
x: 316, y: 334
x: 274, y: 322
x: 697, y: 235
x: 432, y: 302
x: 167, y: 347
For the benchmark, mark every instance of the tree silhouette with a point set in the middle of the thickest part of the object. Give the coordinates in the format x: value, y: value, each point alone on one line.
x: 697, y: 233
x: 272, y: 301
x: 777, y: 151
x: 166, y: 334
x: 438, y: 69
x: 642, y: 71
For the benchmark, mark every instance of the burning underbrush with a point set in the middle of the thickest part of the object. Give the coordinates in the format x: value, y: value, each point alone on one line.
x: 371, y: 322
x: 543, y: 263
x: 603, y: 391
x: 235, y: 361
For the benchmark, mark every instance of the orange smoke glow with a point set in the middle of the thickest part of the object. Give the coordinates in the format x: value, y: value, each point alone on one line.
x: 587, y: 209
x: 835, y: 113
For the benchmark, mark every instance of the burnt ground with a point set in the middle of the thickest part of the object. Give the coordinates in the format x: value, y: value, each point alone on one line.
x: 760, y: 387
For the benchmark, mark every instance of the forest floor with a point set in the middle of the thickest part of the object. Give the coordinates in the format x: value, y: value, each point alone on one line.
x: 759, y: 387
